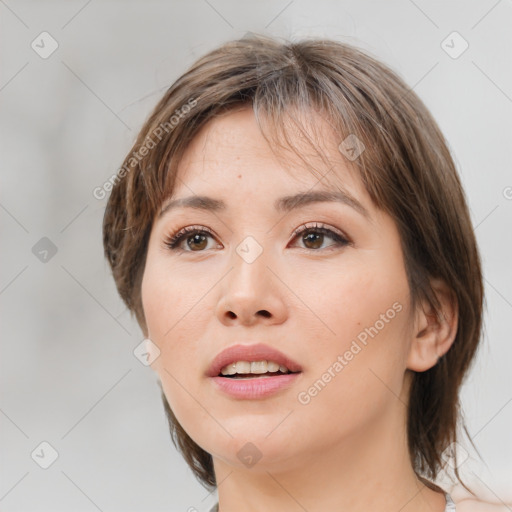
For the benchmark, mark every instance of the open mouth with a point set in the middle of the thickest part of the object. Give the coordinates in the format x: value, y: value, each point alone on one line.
x: 256, y: 375
x: 254, y: 370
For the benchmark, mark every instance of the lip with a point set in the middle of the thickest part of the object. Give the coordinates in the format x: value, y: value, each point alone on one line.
x: 256, y: 388
x: 250, y: 353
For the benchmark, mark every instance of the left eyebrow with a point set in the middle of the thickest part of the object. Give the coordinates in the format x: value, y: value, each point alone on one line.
x: 282, y: 204
x: 288, y: 203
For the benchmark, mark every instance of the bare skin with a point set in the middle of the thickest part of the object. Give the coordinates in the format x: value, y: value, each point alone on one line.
x: 346, y: 448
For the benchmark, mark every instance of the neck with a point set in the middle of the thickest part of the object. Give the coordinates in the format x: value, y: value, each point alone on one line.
x: 368, y: 470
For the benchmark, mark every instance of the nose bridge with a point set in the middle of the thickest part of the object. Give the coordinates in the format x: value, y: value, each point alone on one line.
x: 250, y: 275
x: 251, y: 289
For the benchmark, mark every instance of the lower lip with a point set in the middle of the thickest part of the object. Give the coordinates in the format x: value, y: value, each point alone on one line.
x: 259, y: 387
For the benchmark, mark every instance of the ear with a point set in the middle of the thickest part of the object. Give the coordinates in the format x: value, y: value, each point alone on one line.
x: 433, y: 333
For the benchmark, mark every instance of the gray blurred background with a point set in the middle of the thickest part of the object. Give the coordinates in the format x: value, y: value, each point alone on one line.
x: 77, y: 80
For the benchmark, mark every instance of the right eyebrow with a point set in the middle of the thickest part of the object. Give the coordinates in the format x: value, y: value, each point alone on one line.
x: 196, y: 202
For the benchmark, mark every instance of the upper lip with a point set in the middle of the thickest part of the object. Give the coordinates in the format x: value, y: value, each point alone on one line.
x: 254, y: 352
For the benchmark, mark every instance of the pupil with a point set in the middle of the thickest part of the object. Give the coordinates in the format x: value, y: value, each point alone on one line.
x: 195, y: 238
x: 316, y: 245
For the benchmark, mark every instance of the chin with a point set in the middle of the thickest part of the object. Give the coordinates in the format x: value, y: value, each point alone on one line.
x: 259, y: 454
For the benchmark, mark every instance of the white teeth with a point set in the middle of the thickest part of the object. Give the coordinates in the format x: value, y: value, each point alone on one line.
x: 256, y: 367
x: 259, y: 367
x: 243, y: 367
x: 272, y: 367
x: 230, y: 369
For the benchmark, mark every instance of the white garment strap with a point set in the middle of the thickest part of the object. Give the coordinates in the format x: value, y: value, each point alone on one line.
x: 450, y: 505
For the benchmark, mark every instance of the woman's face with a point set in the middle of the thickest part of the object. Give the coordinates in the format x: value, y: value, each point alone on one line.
x: 333, y: 298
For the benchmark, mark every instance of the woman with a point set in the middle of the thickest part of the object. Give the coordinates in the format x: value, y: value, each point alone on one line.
x: 291, y: 234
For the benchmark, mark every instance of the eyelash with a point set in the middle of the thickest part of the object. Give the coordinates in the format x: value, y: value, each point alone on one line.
x: 172, y: 241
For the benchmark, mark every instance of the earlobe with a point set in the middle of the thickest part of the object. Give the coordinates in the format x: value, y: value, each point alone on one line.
x: 434, y: 332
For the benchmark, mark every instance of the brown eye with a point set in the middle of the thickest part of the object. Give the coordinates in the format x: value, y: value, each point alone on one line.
x: 196, y: 239
x: 314, y: 237
x: 313, y: 240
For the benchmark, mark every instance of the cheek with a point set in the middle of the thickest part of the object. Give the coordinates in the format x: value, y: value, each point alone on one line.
x: 173, y: 297
x: 168, y: 312
x: 365, y: 291
x: 177, y: 315
x: 359, y: 364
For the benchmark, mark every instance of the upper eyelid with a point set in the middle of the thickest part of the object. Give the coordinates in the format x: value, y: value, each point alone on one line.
x: 303, y: 227
x: 319, y: 226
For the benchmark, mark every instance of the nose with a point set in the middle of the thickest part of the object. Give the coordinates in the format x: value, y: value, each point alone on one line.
x: 252, y: 293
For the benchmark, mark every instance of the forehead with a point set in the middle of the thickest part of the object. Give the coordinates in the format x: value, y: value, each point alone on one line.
x: 230, y: 155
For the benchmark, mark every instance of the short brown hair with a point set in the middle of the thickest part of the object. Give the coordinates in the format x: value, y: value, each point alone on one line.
x: 406, y: 169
